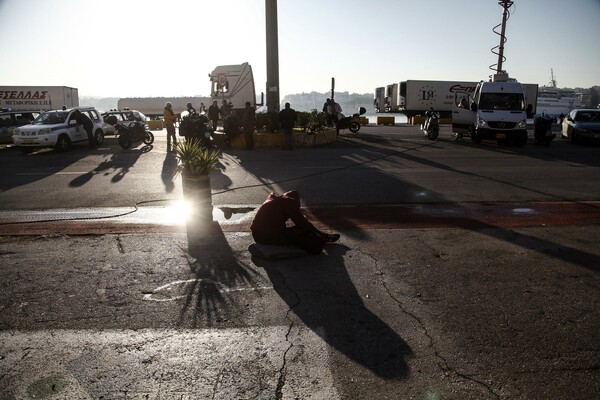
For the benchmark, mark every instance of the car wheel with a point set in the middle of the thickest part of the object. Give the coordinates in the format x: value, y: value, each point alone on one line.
x: 574, y: 137
x: 354, y: 127
x: 63, y: 143
x: 99, y: 137
x: 26, y: 150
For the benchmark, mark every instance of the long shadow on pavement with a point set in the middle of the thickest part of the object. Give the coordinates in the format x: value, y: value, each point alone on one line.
x: 319, y: 290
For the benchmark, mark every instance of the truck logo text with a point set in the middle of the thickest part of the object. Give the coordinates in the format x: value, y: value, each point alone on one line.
x: 22, y: 94
x: 461, y: 88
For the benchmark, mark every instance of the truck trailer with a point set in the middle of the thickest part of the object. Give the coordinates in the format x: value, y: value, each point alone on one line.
x: 39, y: 98
x: 153, y: 106
x: 416, y: 96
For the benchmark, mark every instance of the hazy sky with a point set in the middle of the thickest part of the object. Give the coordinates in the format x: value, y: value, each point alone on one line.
x: 139, y: 48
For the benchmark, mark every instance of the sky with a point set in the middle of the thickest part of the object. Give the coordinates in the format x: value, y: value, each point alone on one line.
x: 148, y: 48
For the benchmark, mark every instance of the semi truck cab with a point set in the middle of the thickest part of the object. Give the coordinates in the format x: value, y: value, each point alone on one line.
x: 496, y: 110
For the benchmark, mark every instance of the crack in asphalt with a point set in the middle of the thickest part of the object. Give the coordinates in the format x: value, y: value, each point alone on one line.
x: 120, y: 245
x: 445, y: 366
x: 283, y: 369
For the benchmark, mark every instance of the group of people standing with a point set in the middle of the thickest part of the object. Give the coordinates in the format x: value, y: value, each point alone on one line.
x: 213, y: 113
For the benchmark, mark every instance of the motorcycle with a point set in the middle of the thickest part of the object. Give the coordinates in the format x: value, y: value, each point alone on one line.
x: 133, y: 132
x: 431, y: 127
x: 197, y: 127
x: 543, y: 130
x: 351, y: 122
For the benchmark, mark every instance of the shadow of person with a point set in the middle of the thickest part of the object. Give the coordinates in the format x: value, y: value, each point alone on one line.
x: 320, y: 292
x: 168, y: 172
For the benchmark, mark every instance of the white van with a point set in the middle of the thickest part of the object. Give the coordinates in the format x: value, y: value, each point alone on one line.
x: 496, y: 110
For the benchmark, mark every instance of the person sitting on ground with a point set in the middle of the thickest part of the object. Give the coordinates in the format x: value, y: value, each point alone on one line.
x: 269, y: 225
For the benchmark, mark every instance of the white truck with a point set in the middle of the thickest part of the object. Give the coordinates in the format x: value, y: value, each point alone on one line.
x: 392, y: 98
x: 417, y: 96
x: 234, y: 84
x: 17, y: 98
x: 379, y: 100
x: 497, y: 109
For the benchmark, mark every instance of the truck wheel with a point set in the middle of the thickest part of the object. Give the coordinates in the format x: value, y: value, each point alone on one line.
x: 63, y: 144
x: 99, y: 137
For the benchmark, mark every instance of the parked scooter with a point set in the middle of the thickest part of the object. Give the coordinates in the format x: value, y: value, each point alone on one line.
x: 133, y: 132
x: 543, y: 130
x: 351, y: 122
x: 431, y: 127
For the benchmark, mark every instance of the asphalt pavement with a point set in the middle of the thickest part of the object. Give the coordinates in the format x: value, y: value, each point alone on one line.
x: 416, y: 301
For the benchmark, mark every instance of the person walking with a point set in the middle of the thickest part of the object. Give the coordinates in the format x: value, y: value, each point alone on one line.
x: 213, y: 114
x: 249, y: 122
x: 287, y: 119
x: 169, y: 118
x: 269, y: 225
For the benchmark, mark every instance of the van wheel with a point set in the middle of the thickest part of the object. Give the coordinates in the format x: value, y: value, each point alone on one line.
x: 63, y: 144
x: 99, y: 137
x: 475, y: 138
x: 26, y: 150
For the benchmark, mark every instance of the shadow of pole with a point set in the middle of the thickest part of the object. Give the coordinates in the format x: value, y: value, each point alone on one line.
x: 215, y: 267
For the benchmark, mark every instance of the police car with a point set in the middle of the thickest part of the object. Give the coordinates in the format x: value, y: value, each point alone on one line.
x: 9, y: 120
x: 58, y: 129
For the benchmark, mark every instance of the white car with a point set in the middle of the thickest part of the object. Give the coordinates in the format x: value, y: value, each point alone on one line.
x: 58, y: 129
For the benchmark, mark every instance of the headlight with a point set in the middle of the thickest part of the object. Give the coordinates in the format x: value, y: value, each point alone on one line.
x: 481, y: 123
x: 522, y: 124
x: 44, y: 131
x: 16, y: 132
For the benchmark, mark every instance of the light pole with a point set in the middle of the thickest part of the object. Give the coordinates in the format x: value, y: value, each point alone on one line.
x: 272, y: 57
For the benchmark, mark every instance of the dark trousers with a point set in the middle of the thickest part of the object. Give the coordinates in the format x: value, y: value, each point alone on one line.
x: 171, y: 134
x: 307, y: 239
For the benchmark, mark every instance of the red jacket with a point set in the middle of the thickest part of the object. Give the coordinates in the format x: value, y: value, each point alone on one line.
x: 272, y: 215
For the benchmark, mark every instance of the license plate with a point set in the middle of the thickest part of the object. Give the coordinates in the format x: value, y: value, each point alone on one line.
x: 500, y: 136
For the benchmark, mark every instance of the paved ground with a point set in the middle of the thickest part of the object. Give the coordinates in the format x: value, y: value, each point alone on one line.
x: 455, y: 301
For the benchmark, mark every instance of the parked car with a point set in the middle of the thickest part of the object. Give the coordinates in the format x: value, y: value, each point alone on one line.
x: 113, y: 117
x: 9, y: 120
x: 582, y: 124
x: 58, y: 129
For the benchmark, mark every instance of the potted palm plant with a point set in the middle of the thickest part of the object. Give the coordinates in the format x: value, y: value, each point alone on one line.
x: 195, y: 162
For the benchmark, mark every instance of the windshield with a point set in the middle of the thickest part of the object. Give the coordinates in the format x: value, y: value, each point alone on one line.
x: 502, y: 101
x: 50, y: 118
x: 588, y: 116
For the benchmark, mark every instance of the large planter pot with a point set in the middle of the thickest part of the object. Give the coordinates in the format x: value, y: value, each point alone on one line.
x: 197, y: 192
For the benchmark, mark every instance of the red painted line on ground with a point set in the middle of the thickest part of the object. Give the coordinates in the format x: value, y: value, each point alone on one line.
x: 463, y: 216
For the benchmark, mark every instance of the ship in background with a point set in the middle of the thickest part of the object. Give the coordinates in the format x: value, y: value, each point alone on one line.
x: 554, y: 101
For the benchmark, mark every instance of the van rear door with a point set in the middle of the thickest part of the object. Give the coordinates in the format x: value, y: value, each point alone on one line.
x: 463, y: 114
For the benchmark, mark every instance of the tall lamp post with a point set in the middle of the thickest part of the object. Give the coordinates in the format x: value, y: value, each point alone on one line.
x: 272, y: 57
